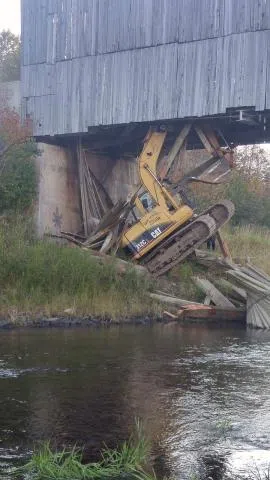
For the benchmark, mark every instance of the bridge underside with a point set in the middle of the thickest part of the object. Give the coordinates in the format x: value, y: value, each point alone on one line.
x: 238, y: 127
x: 111, y: 152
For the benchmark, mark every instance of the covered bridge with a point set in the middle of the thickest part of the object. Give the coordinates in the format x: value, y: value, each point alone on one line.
x: 101, y: 71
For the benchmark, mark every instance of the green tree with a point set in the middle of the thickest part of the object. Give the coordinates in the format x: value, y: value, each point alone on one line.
x: 18, y: 178
x: 249, y: 188
x: 17, y: 162
x: 9, y: 56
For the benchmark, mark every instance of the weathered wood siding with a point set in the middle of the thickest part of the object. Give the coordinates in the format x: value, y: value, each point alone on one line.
x: 104, y: 62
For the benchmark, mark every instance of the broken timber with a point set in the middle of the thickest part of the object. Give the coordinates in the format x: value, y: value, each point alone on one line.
x: 213, y: 293
x: 213, y: 313
x: 164, y: 298
x: 197, y: 311
x: 257, y: 285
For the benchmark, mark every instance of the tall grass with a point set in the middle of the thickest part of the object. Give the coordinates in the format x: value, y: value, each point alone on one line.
x: 126, y: 463
x: 45, y: 277
x: 250, y: 243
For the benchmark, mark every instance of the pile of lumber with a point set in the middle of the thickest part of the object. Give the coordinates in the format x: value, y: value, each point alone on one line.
x: 181, y: 309
x: 238, y: 293
x: 256, y: 284
x: 106, y: 236
x: 95, y: 200
x: 103, y: 221
x: 245, y: 285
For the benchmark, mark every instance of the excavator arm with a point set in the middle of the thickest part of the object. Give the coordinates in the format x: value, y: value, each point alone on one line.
x: 148, y: 171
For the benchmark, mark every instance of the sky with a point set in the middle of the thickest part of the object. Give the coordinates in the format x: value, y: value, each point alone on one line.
x: 10, y: 15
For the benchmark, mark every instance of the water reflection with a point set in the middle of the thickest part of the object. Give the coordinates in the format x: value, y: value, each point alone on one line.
x: 203, y: 394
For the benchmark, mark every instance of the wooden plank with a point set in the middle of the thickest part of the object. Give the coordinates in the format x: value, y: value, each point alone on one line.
x: 211, y: 291
x: 206, y: 143
x: 175, y: 149
x: 231, y: 290
x: 176, y: 172
x: 82, y: 188
x: 170, y: 315
x: 215, y: 314
x: 107, y: 242
x: 258, y: 296
x: 223, y: 246
x: 170, y: 300
x: 207, y: 300
x: 211, y: 261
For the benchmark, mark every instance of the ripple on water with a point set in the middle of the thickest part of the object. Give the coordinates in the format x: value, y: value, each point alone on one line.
x: 17, y: 372
x: 205, y: 399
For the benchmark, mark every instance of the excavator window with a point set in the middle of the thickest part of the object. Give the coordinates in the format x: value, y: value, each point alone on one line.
x: 147, y: 201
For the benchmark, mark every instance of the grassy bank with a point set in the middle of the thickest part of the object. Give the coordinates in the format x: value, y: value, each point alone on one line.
x: 45, y: 278
x: 128, y: 462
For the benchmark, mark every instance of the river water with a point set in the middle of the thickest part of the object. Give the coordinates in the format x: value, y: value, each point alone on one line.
x: 202, y: 394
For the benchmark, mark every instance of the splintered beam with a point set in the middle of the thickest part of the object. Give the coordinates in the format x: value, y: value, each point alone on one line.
x: 174, y: 150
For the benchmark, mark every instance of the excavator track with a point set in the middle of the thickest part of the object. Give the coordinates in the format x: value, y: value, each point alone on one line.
x: 184, y: 241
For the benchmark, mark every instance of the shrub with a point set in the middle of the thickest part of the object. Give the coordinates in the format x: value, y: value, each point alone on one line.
x: 18, y: 182
x: 17, y: 161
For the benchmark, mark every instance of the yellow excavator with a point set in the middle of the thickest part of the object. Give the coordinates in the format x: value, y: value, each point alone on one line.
x: 164, y: 229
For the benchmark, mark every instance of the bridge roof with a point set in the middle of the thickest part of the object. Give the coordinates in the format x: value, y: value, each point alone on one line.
x: 89, y: 63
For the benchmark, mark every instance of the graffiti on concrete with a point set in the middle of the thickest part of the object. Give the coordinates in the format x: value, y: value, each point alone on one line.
x: 57, y: 219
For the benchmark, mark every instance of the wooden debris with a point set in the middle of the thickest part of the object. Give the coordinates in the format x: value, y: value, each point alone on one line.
x: 170, y: 300
x: 107, y: 242
x: 170, y: 315
x: 207, y: 300
x: 207, y: 313
x: 252, y: 288
x: 257, y: 285
x: 213, y: 313
x: 211, y: 291
x: 75, y: 235
x: 234, y: 292
x: 223, y: 246
x: 111, y: 226
x: 174, y: 150
x: 70, y: 238
x: 212, y: 261
x: 94, y: 198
